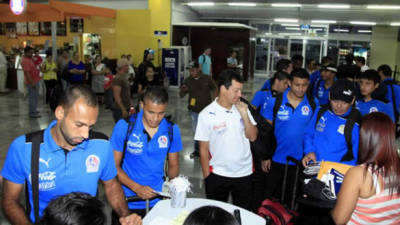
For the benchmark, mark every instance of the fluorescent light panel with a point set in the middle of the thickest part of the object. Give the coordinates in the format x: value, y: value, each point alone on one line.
x: 323, y: 21
x: 292, y: 28
x: 244, y: 4
x: 286, y: 5
x: 201, y: 4
x: 364, y: 31
x: 289, y: 34
x: 341, y: 30
x: 290, y: 25
x: 333, y: 6
x: 284, y: 20
x: 362, y: 23
x: 395, y: 24
x: 387, y: 7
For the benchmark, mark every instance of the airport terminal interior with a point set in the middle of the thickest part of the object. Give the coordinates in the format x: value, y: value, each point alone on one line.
x: 176, y: 32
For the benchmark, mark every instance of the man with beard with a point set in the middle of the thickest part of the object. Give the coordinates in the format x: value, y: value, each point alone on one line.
x: 72, y: 158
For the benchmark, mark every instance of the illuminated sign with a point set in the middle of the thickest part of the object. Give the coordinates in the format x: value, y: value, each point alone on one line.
x: 18, y: 7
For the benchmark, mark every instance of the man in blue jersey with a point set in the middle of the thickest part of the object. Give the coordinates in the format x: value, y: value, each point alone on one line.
x: 279, y: 84
x: 294, y: 114
x: 325, y: 136
x: 316, y: 75
x: 369, y: 82
x: 283, y: 65
x: 323, y: 85
x: 205, y: 62
x: 150, y: 139
x: 72, y: 159
x: 393, y: 89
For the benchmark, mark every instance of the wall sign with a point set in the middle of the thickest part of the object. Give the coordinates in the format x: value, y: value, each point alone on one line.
x: 18, y: 7
x: 160, y: 33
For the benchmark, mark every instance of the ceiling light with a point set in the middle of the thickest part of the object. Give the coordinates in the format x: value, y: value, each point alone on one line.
x: 268, y: 33
x: 292, y: 28
x: 201, y: 4
x: 286, y: 5
x: 290, y: 25
x: 333, y: 6
x: 323, y: 21
x: 318, y: 29
x: 242, y: 4
x: 364, y: 31
x: 319, y: 25
x: 341, y: 30
x: 395, y: 24
x: 282, y: 20
x: 389, y: 7
x: 362, y: 23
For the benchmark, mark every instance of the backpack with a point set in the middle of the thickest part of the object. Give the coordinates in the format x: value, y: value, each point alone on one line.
x: 36, y: 138
x: 391, y: 83
x: 54, y: 98
x: 204, y: 58
x: 353, y: 118
x: 131, y: 124
x: 275, y: 213
x: 261, y: 147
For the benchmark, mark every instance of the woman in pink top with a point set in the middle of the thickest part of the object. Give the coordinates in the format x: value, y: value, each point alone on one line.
x: 370, y: 191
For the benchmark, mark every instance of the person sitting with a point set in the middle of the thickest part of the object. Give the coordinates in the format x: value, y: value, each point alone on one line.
x: 210, y: 215
x: 75, y: 208
x: 370, y: 191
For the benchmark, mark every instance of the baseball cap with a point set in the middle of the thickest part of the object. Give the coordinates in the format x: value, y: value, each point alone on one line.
x: 342, y: 89
x: 330, y: 67
x: 122, y: 62
x: 193, y: 64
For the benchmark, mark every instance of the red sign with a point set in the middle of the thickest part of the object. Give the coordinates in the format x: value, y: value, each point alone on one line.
x: 18, y: 7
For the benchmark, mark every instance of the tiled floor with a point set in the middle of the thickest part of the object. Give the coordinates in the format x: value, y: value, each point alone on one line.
x: 15, y: 121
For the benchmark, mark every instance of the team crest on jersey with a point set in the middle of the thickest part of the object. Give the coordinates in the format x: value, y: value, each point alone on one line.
x: 92, y: 164
x: 341, y: 129
x: 162, y: 142
x: 373, y: 109
x: 305, y: 110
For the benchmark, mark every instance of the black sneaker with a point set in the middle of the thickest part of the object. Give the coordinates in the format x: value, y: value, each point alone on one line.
x: 194, y: 154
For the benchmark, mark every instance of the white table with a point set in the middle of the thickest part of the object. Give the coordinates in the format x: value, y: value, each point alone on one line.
x: 162, y: 212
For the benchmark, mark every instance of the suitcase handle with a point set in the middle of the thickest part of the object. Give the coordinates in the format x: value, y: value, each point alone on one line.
x: 138, y: 199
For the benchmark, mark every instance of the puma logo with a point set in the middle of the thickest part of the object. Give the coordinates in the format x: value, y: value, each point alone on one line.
x: 45, y: 162
x: 323, y: 119
x: 136, y: 136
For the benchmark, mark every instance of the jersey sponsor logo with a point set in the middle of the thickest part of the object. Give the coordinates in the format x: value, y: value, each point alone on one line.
x: 283, y: 114
x: 305, y: 110
x: 340, y: 129
x: 92, y: 164
x: 162, y: 142
x: 321, y: 124
x: 320, y: 92
x: 135, y: 146
x: 220, y: 127
x: 46, y: 180
x: 41, y: 160
x: 373, y: 109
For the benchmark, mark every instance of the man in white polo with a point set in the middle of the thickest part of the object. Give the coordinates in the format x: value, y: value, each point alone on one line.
x: 224, y: 131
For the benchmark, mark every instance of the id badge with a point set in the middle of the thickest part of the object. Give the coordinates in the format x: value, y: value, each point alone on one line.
x: 192, y: 102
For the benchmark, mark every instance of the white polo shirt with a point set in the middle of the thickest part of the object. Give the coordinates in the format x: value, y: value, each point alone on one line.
x: 229, y: 147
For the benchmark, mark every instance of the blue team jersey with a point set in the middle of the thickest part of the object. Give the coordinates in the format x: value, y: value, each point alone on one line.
x: 205, y: 61
x: 326, y: 139
x: 375, y: 106
x: 78, y: 170
x: 290, y: 125
x: 321, y: 93
x: 267, y: 85
x: 314, y: 77
x: 260, y: 98
x: 145, y: 156
x: 396, y: 89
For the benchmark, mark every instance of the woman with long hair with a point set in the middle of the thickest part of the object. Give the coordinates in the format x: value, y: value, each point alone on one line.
x: 370, y: 191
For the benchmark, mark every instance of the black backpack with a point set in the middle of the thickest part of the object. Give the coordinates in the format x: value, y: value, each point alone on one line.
x: 353, y: 118
x: 36, y: 138
x: 261, y: 148
x: 54, y: 97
